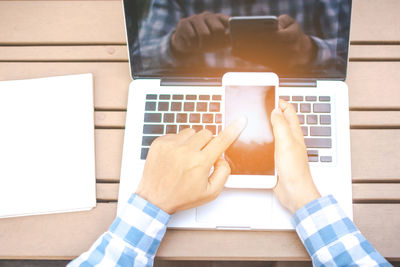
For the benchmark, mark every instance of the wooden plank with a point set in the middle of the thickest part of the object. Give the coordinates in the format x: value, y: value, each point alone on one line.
x: 107, y: 191
x: 358, y: 119
x: 374, y: 119
x: 375, y: 155
x: 97, y: 53
x: 110, y: 119
x: 62, y: 22
x: 111, y: 80
x: 80, y: 53
x: 68, y: 235
x: 101, y: 22
x: 365, y: 192
x: 108, y: 154
x: 366, y: 81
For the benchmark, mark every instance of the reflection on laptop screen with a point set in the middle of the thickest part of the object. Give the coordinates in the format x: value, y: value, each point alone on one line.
x: 205, y: 37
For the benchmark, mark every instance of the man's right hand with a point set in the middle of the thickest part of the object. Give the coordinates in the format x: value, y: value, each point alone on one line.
x: 295, y: 186
x: 203, y: 32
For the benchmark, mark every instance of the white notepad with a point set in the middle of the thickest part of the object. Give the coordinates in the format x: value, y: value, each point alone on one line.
x: 47, y: 156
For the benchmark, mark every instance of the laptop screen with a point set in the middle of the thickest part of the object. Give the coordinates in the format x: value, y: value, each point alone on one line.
x: 207, y: 38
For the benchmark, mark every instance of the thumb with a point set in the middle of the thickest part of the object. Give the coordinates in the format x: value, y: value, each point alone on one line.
x: 280, y: 126
x: 218, y: 178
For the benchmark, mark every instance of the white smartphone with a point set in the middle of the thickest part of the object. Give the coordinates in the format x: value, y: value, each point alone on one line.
x: 251, y: 156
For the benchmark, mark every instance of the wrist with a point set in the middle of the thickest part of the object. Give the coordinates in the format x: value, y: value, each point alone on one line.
x: 306, y: 197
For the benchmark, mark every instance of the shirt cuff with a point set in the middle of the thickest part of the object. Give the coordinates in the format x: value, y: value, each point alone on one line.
x: 324, y: 52
x: 141, y: 224
x: 321, y: 222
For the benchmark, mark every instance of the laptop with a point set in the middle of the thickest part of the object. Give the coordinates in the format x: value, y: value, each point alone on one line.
x: 171, y: 91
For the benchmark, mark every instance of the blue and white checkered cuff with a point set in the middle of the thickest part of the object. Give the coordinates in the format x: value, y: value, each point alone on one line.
x: 141, y: 224
x: 322, y: 222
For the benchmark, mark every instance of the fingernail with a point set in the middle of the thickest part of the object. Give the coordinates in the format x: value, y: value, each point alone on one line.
x: 240, y: 122
x: 277, y: 111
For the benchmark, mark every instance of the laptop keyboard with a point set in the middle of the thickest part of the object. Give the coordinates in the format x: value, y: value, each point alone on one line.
x: 171, y: 113
x: 314, y: 113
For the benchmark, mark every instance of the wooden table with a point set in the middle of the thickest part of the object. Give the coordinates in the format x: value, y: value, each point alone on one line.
x: 46, y: 38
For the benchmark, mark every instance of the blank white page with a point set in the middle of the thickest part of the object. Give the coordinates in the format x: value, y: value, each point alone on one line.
x: 47, y: 156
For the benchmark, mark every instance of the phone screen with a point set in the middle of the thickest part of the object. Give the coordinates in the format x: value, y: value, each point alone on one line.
x: 253, y: 152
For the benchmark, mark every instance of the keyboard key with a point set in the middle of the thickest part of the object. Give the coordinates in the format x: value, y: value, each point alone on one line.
x: 215, y: 107
x: 182, y: 127
x: 326, y: 159
x: 312, y: 158
x: 191, y: 97
x: 147, y: 140
x: 297, y: 98
x: 296, y: 106
x: 218, y: 118
x: 318, y: 142
x: 301, y: 119
x: 169, y: 117
x: 151, y: 96
x: 177, y: 97
x: 188, y: 106
x: 320, y: 131
x: 204, y: 97
x: 153, y: 129
x: 152, y: 117
x: 165, y: 97
x: 207, y: 118
x: 197, y: 128
x: 325, y: 119
x: 322, y: 108
x: 312, y: 119
x: 217, y: 97
x: 324, y: 98
x: 163, y: 106
x: 304, y: 129
x: 312, y: 152
x: 285, y: 97
x: 201, y: 106
x: 194, y: 118
x: 212, y: 128
x: 144, y: 152
x: 171, y: 129
x: 150, y: 106
x: 176, y: 106
x: 305, y: 108
x: 181, y: 118
x: 311, y: 98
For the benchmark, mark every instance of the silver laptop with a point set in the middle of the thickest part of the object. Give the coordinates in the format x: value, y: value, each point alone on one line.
x: 172, y: 91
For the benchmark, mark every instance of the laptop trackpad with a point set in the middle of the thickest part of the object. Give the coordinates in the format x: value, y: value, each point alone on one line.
x: 238, y: 208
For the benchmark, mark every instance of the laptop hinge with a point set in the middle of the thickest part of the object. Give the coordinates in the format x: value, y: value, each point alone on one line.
x: 190, y: 81
x: 287, y: 82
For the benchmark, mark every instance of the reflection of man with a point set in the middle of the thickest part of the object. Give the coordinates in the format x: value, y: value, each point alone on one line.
x: 194, y: 33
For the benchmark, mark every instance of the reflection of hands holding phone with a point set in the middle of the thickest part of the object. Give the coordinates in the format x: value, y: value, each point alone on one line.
x: 295, y: 187
x: 200, y: 33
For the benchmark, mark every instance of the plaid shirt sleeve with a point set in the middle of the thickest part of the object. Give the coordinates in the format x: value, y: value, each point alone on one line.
x: 331, y: 238
x: 132, y: 239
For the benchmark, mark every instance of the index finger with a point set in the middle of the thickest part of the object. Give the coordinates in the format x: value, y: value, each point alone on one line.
x: 219, y: 144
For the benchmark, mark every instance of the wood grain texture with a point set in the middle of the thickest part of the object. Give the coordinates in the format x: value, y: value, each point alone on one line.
x: 364, y: 192
x: 101, y: 22
x: 109, y: 119
x: 83, y: 53
x: 374, y: 119
x: 372, y: 85
x: 68, y: 235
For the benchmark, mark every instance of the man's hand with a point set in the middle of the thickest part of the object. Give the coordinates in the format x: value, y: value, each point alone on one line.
x: 203, y: 32
x: 295, y: 186
x: 177, y: 176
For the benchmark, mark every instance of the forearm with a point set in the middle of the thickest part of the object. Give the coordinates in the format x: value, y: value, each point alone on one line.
x: 331, y: 238
x: 132, y: 239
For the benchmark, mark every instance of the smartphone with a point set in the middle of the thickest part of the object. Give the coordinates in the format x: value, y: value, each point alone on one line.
x: 251, y: 156
x: 245, y: 30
